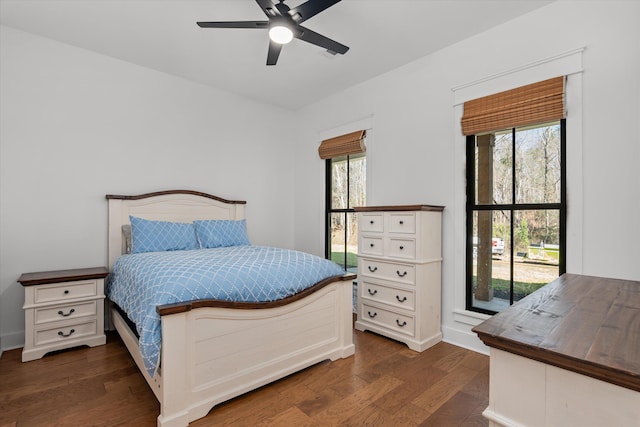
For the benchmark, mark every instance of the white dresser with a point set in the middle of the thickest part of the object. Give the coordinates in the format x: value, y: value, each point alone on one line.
x: 63, y: 309
x: 399, y: 273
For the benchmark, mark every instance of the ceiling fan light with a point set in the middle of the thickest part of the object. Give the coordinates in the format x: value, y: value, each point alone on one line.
x: 280, y: 34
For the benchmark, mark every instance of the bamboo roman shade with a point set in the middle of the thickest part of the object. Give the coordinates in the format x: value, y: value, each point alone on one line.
x: 535, y: 103
x: 351, y: 143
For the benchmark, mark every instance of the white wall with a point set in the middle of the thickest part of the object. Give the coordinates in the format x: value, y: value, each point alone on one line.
x: 76, y: 125
x: 416, y: 156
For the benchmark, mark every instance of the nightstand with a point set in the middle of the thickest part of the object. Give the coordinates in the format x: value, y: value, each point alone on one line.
x: 63, y: 309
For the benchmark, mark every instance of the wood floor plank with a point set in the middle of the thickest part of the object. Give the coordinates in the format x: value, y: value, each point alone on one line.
x: 457, y: 410
x: 383, y: 384
x: 291, y: 417
x: 438, y: 394
x: 408, y: 391
x: 335, y: 414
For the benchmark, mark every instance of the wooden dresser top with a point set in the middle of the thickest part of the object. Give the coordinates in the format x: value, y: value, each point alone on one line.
x: 585, y: 324
x: 431, y: 208
x: 44, y: 277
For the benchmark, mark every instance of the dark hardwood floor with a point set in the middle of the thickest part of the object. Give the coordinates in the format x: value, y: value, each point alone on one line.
x: 383, y: 384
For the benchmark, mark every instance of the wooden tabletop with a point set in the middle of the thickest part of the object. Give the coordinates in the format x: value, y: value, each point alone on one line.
x: 431, y: 208
x: 585, y: 324
x: 42, y: 277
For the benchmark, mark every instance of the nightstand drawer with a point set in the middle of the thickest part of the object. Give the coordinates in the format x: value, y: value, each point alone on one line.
x: 65, y: 333
x: 62, y: 312
x: 401, y: 298
x: 388, y: 319
x: 65, y: 291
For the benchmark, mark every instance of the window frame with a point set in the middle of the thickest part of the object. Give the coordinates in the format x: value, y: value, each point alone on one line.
x: 472, y: 206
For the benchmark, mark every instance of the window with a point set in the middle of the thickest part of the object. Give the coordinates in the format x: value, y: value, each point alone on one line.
x: 516, y: 203
x: 516, y: 210
x: 345, y: 189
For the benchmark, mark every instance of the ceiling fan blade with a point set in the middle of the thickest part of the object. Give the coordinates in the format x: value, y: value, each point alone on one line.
x: 234, y: 24
x: 268, y: 7
x: 274, y: 52
x: 310, y: 9
x: 319, y: 40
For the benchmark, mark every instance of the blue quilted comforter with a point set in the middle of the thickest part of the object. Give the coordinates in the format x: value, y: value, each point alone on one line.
x: 140, y: 282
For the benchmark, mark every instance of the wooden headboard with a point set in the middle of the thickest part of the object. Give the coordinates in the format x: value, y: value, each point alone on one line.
x: 172, y: 205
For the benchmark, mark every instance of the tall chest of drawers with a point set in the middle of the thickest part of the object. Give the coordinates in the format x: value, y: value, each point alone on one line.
x: 399, y: 273
x: 63, y: 309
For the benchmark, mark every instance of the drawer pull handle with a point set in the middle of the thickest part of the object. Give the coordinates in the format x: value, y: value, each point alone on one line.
x: 401, y: 300
x: 371, y: 222
x: 373, y: 270
x: 401, y: 222
x: 403, y: 324
x: 372, y: 292
x: 372, y: 315
x: 401, y: 274
x: 66, y: 291
x: 401, y: 247
x: 62, y: 334
x: 371, y: 244
x: 68, y: 314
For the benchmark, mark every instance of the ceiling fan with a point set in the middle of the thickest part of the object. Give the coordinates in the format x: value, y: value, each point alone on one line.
x: 284, y: 24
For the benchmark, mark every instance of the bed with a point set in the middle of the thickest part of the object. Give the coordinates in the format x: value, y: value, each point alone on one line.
x: 213, y: 350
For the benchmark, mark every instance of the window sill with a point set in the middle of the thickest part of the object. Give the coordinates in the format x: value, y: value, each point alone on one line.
x: 469, y: 317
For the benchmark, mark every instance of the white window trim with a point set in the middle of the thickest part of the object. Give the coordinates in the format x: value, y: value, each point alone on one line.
x: 568, y: 63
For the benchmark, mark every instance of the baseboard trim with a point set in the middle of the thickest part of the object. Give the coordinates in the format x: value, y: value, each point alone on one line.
x: 11, y: 341
x: 464, y: 339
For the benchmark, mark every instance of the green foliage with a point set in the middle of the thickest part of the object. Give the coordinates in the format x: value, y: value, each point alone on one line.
x: 520, y: 289
x: 522, y: 236
x: 546, y: 253
x: 501, y: 229
x: 338, y: 258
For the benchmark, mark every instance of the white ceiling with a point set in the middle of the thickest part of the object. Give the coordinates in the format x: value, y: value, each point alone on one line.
x: 163, y: 35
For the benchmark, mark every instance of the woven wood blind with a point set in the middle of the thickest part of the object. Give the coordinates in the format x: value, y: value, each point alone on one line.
x: 351, y: 143
x: 535, y: 103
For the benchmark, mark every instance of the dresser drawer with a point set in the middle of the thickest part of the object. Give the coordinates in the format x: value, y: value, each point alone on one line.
x: 65, y: 291
x: 401, y: 298
x: 68, y: 311
x: 371, y: 245
x: 402, y: 222
x: 388, y: 319
x: 65, y: 333
x: 371, y: 222
x: 402, y: 248
x: 402, y: 273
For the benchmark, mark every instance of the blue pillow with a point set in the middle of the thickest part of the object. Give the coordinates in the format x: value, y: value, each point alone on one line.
x: 157, y: 236
x: 221, y: 233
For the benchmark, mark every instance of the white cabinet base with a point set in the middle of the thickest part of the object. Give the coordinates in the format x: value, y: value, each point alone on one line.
x: 413, y: 344
x: 524, y: 392
x: 39, y: 352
